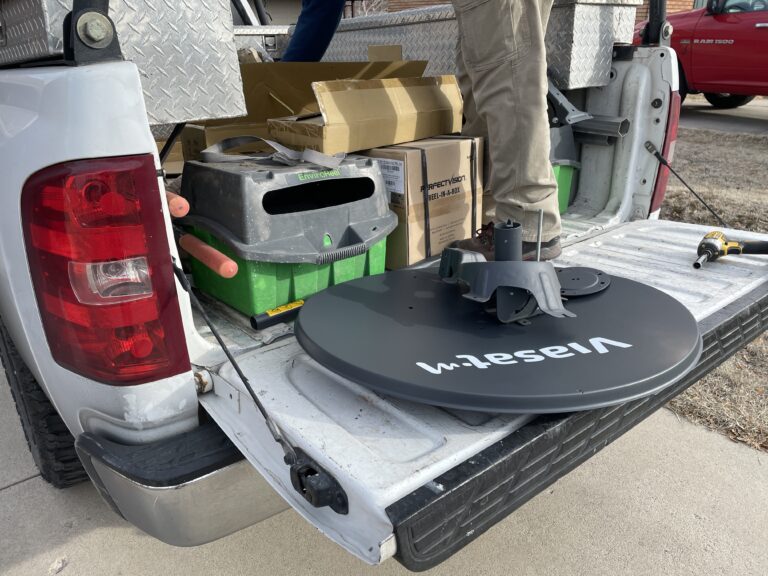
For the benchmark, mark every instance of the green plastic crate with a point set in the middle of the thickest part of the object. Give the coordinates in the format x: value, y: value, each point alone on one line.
x: 261, y: 286
x: 565, y: 174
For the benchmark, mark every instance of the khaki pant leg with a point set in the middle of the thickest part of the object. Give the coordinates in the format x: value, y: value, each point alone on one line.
x: 502, y: 44
x: 475, y: 126
x: 545, y: 9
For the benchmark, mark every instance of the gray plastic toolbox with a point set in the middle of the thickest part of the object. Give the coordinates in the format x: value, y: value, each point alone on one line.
x: 271, y: 212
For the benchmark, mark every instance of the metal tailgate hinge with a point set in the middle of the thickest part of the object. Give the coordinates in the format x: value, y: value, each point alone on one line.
x: 89, y: 34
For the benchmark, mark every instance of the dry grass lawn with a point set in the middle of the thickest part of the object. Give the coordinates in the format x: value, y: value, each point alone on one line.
x: 730, y: 171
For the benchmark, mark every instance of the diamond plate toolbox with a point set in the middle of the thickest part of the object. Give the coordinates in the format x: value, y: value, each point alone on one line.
x: 184, y: 50
x: 580, y: 38
x: 272, y: 39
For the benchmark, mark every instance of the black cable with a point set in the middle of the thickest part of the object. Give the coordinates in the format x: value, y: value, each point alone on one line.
x: 175, y: 133
x: 290, y: 453
x: 663, y: 161
x: 261, y: 13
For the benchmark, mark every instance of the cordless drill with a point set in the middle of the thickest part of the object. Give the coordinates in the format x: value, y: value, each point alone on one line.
x: 716, y: 244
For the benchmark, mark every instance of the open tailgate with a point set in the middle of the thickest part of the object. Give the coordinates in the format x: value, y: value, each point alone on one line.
x: 422, y: 481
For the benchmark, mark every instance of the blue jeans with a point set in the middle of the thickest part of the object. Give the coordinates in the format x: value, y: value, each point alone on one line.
x: 314, y: 31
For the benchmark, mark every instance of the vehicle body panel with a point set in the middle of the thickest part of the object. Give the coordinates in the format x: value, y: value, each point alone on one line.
x: 722, y: 53
x: 683, y: 29
x: 50, y: 115
x: 616, y: 182
x: 729, y: 53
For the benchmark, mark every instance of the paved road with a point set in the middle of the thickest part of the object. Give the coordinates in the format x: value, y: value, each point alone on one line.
x: 749, y: 119
x: 668, y: 498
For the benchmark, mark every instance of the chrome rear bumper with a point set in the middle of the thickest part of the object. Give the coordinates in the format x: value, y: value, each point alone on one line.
x: 183, y: 491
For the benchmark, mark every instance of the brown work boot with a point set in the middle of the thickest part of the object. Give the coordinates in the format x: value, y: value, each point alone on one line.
x: 483, y: 243
x: 549, y: 250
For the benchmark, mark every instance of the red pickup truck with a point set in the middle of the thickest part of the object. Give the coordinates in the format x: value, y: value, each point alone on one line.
x: 722, y: 51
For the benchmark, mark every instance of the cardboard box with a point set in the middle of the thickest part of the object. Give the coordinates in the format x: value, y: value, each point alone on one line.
x: 450, y: 165
x: 195, y: 138
x: 277, y: 89
x: 174, y: 164
x: 361, y: 114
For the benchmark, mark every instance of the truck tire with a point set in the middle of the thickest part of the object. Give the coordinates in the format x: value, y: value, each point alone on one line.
x: 726, y: 101
x: 50, y: 442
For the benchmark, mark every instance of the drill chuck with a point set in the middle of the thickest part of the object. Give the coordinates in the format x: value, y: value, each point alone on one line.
x: 703, y: 259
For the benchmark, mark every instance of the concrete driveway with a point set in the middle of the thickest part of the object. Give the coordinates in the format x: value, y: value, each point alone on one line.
x: 667, y: 498
x: 749, y: 119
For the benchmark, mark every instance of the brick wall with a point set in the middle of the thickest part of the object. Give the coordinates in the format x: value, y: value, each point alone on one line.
x: 672, y: 7
x: 353, y: 8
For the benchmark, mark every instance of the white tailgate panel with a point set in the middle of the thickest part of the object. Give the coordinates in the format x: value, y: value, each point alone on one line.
x: 661, y: 254
x: 381, y: 449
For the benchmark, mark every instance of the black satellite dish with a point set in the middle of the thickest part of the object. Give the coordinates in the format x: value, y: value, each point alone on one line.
x: 416, y: 335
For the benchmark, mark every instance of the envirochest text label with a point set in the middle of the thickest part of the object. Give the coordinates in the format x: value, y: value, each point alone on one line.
x: 318, y: 175
x: 597, y: 344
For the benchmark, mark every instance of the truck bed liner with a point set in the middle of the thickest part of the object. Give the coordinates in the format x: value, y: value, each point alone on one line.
x: 437, y: 478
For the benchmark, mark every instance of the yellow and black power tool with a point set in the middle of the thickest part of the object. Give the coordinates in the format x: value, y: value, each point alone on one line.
x: 716, y: 244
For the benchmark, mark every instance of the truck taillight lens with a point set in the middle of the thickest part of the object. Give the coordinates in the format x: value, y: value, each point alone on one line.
x: 101, y: 268
x: 111, y: 282
x: 668, y: 151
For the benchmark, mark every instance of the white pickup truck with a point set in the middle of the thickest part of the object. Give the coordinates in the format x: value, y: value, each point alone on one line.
x: 124, y: 384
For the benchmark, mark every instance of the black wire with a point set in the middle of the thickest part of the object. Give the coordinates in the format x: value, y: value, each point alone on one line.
x: 652, y: 149
x: 171, y: 141
x: 290, y: 454
x: 261, y: 13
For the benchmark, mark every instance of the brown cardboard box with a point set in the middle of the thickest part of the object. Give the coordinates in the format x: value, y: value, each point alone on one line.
x: 195, y: 139
x: 174, y: 164
x: 449, y: 174
x: 277, y: 89
x: 361, y: 114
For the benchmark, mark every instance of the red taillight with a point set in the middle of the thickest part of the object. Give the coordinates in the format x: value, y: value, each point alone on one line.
x: 668, y: 151
x: 101, y: 267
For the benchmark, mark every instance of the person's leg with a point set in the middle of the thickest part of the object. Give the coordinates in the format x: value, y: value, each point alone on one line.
x: 314, y: 30
x: 502, y: 42
x: 475, y: 126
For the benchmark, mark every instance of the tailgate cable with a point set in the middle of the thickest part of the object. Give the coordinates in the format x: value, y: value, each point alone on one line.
x: 663, y: 161
x: 308, y: 478
x: 274, y: 429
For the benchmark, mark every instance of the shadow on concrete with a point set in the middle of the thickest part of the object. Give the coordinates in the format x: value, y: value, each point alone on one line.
x: 749, y: 119
x: 36, y: 518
